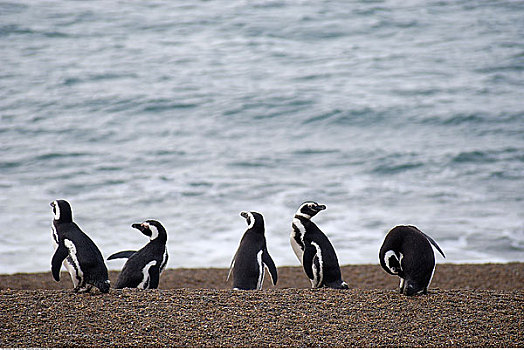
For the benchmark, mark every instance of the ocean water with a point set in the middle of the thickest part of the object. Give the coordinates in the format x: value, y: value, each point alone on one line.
x: 388, y: 112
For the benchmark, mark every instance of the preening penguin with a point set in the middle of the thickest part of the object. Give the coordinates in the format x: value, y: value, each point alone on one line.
x: 143, y: 268
x: 314, y: 250
x: 77, y: 251
x: 407, y: 252
x: 248, y: 263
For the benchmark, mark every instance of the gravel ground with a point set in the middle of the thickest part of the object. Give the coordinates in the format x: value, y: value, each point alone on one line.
x: 468, y: 306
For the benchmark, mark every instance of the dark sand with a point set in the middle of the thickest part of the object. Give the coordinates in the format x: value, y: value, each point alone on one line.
x: 468, y: 306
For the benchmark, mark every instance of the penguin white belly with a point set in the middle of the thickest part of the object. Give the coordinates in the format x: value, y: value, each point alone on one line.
x: 318, y: 271
x: 55, y: 236
x: 72, y: 272
x: 261, y: 270
x: 164, y: 260
x: 297, y: 249
x: 145, y: 273
x: 434, y: 265
x: 71, y: 263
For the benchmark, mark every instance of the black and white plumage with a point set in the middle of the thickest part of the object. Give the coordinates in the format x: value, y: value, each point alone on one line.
x: 77, y: 251
x: 407, y: 253
x: 143, y: 268
x: 252, y: 256
x: 314, y: 250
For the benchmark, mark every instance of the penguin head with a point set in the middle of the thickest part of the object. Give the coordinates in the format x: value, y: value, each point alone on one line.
x: 253, y: 219
x: 392, y: 261
x: 153, y: 229
x: 62, y: 210
x: 310, y: 209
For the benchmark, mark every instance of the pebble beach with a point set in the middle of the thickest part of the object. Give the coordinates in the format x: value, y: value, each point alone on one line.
x: 468, y: 305
x: 189, y: 112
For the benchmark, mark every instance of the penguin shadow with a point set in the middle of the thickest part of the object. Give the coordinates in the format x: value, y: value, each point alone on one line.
x: 394, y: 294
x: 289, y: 277
x: 266, y: 285
x: 358, y: 277
x: 65, y: 284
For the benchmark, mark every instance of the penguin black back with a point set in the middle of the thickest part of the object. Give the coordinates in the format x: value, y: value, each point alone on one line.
x: 143, y: 268
x: 77, y: 251
x: 407, y: 252
x: 252, y: 256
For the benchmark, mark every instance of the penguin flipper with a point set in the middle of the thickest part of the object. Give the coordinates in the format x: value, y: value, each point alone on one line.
x: 56, y: 262
x: 309, y: 255
x: 125, y: 254
x: 270, y: 264
x: 154, y: 276
x: 434, y: 244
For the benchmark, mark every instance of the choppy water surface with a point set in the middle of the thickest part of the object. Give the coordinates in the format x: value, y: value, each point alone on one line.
x: 190, y: 112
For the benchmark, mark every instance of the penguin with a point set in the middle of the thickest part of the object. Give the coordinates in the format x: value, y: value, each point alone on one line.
x: 314, y: 250
x: 407, y: 253
x: 252, y: 256
x: 143, y: 268
x: 77, y: 251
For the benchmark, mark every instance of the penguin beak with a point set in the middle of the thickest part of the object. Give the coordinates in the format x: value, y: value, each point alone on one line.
x: 320, y: 207
x: 52, y: 204
x: 244, y: 214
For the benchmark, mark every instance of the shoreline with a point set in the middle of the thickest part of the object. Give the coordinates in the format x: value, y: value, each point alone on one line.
x: 468, y: 305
